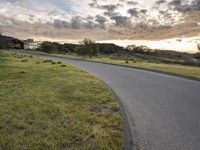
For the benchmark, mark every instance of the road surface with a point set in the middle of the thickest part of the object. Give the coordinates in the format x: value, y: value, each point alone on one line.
x: 163, y: 110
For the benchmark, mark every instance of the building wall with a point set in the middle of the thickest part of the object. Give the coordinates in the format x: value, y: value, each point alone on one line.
x: 31, y: 45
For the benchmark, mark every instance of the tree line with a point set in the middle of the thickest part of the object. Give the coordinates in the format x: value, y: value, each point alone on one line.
x: 89, y: 48
x: 86, y: 47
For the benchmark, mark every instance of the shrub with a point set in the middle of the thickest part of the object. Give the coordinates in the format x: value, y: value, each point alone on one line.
x: 22, y: 72
x: 63, y: 65
x: 48, y: 47
x: 87, y: 47
x: 134, y: 61
x: 24, y: 60
x: 47, y: 61
x: 187, y: 62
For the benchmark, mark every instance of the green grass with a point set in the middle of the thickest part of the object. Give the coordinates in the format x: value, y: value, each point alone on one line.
x: 46, y: 105
x: 177, y: 69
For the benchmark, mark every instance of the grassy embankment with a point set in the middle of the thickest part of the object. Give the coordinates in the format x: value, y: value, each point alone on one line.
x: 50, y: 105
x: 177, y: 69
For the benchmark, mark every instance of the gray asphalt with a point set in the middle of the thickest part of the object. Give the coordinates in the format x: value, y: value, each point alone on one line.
x: 163, y: 110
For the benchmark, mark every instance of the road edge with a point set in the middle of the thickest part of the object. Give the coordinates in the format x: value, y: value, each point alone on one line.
x: 128, y: 140
x: 133, y: 67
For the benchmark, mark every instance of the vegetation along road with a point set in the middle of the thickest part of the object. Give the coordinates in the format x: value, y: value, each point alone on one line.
x: 50, y: 105
x: 163, y: 110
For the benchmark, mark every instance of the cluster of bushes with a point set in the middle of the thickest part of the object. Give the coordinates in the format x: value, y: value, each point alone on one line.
x: 158, y: 53
x: 52, y: 47
x: 109, y: 48
x: 86, y: 47
x: 89, y: 48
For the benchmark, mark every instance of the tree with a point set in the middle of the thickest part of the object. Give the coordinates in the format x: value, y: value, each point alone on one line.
x: 87, y: 47
x: 48, y: 47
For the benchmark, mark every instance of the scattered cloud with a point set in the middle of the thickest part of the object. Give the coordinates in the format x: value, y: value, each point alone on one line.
x: 159, y: 2
x: 114, y: 18
x: 133, y: 12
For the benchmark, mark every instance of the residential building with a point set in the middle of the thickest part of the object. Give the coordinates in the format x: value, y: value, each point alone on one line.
x: 31, y: 44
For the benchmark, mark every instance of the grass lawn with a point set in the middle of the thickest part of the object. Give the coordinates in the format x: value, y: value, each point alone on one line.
x: 50, y: 105
x: 181, y: 70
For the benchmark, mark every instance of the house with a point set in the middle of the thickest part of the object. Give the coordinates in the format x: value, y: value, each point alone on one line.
x: 31, y: 44
x: 7, y: 42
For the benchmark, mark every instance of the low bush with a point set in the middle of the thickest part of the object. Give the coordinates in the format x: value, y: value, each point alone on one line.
x: 63, y: 65
x: 24, y: 60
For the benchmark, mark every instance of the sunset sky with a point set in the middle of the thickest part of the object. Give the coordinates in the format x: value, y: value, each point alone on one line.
x: 100, y: 19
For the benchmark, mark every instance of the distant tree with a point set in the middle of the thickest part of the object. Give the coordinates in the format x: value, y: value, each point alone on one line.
x: 139, y: 49
x: 60, y: 48
x: 48, y: 47
x: 109, y: 48
x: 87, y: 47
x: 70, y: 47
x: 81, y: 50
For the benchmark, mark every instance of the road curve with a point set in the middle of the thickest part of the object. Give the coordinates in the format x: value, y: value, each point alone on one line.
x: 163, y: 110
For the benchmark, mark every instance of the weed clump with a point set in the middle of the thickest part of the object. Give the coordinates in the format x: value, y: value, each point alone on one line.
x: 24, y: 60
x: 20, y: 56
x: 47, y: 61
x: 63, y: 65
x: 22, y: 72
x: 134, y: 61
x: 114, y: 107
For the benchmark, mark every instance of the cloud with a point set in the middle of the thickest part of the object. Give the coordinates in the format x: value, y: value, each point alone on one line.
x: 159, y: 2
x: 76, y: 23
x: 176, y: 2
x: 61, y: 24
x: 4, y: 21
x: 185, y: 6
x: 132, y: 3
x: 144, y: 11
x: 101, y: 20
x: 133, y: 12
x: 108, y: 7
x: 121, y: 20
x: 195, y: 5
x: 114, y: 18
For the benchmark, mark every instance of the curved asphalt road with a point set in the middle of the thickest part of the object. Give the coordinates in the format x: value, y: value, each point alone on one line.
x: 163, y: 110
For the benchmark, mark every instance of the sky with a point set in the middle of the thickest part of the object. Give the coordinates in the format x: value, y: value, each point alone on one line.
x: 100, y: 19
